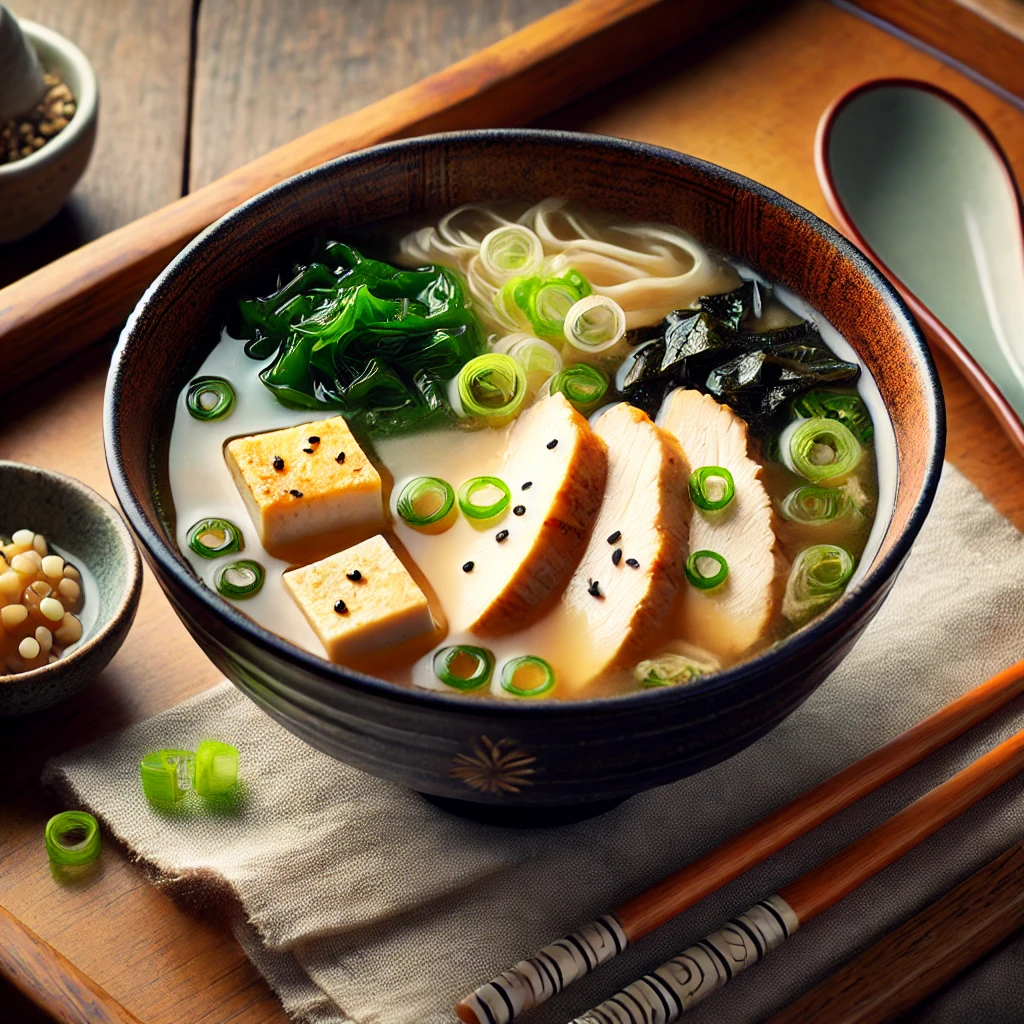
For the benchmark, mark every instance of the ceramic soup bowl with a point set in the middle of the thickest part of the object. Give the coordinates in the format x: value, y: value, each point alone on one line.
x: 527, y: 757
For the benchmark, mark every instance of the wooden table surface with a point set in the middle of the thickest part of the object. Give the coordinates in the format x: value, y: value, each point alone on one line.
x: 748, y: 97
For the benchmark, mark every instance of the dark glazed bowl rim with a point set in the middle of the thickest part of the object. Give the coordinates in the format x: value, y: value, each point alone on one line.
x: 853, y: 602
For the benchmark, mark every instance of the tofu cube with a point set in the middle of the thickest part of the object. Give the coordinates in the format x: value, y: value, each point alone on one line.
x: 296, y: 484
x: 384, y: 607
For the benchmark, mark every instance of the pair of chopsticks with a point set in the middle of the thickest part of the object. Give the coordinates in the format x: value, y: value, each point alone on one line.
x: 676, y: 986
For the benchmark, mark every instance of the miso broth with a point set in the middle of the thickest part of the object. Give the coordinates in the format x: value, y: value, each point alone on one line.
x: 573, y: 614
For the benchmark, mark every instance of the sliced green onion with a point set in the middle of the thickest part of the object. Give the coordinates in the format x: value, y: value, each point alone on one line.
x: 538, y: 359
x: 814, y: 506
x: 695, y: 571
x: 818, y: 577
x: 72, y: 838
x: 167, y: 775
x: 210, y: 398
x: 216, y: 768
x: 701, y: 493
x: 511, y: 249
x: 211, y: 538
x: 492, y: 386
x: 463, y: 667
x: 584, y: 385
x: 594, y: 324
x: 846, y: 406
x: 427, y: 503
x: 468, y: 492
x: 668, y: 670
x: 239, y: 580
x: 527, y: 669
x: 540, y: 302
x: 822, y: 449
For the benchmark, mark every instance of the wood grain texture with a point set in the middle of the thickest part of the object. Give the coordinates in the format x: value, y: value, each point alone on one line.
x: 725, y: 100
x: 738, y: 854
x: 54, y: 312
x: 140, y: 52
x: 66, y: 994
x: 985, y: 35
x: 929, y: 950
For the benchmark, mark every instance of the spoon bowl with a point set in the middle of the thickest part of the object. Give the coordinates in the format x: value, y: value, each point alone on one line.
x: 918, y: 181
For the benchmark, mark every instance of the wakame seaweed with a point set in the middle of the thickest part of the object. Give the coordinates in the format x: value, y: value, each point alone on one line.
x: 364, y: 337
x: 708, y: 349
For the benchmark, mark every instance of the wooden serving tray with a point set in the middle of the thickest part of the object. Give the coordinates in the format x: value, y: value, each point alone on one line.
x: 747, y: 95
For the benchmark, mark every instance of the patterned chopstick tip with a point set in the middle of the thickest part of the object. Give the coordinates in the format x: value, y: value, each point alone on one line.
x: 534, y: 981
x: 677, y: 986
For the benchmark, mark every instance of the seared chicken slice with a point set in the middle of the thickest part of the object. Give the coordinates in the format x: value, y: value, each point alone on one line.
x: 733, y: 617
x: 516, y: 580
x: 618, y: 603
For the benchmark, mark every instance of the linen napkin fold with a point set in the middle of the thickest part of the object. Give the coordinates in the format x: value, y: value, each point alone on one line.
x: 363, y: 904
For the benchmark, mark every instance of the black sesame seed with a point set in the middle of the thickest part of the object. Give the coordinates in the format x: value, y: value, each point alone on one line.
x: 527, y: 485
x: 278, y: 463
x: 340, y: 607
x: 519, y: 510
x: 594, y: 588
x: 501, y: 535
x: 613, y: 538
x: 314, y: 439
x: 552, y: 443
x: 632, y: 563
x: 616, y: 556
x: 295, y: 494
x: 467, y: 567
x: 340, y: 457
x: 355, y: 575
x: 308, y: 451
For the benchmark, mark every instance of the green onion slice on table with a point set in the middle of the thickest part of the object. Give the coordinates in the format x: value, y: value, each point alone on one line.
x: 210, y: 398
x: 818, y: 578
x: 212, y: 538
x: 706, y: 569
x: 527, y: 676
x: 814, y: 506
x: 594, y: 324
x: 427, y: 502
x: 464, y: 667
x: 239, y: 580
x: 821, y: 449
x: 712, y: 488
x: 492, y: 386
x: 72, y: 838
x: 490, y: 504
x: 584, y: 385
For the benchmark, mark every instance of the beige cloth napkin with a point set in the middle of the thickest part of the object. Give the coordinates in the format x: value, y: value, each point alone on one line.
x: 362, y: 903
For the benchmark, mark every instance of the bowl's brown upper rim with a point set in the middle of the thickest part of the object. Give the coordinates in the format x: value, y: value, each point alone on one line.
x: 852, y: 603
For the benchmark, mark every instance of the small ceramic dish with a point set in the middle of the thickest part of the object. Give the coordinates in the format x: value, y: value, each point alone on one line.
x: 917, y: 180
x: 33, y: 190
x: 88, y: 532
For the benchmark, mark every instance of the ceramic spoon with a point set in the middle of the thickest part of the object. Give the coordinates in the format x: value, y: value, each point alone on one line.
x: 920, y: 184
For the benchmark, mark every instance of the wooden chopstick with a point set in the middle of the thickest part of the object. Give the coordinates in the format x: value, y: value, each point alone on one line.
x: 690, y: 977
x: 534, y: 981
x: 48, y: 315
x: 923, y: 954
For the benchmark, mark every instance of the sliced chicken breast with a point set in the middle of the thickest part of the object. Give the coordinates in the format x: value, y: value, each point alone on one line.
x: 730, y: 619
x: 516, y: 579
x: 617, y: 604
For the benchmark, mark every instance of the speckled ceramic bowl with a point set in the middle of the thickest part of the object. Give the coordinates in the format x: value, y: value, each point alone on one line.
x: 83, y: 527
x: 531, y: 754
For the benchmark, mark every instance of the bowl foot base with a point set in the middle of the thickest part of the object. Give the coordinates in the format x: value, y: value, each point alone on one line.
x: 522, y: 817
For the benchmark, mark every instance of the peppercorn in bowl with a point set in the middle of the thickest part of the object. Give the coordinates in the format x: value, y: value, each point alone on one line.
x: 70, y: 579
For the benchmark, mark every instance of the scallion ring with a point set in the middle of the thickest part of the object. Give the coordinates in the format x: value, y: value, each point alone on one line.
x: 464, y: 667
x: 538, y: 359
x: 527, y: 669
x: 492, y: 386
x: 212, y: 538
x: 712, y: 488
x: 584, y: 385
x: 822, y: 449
x: 594, y: 324
x: 72, y: 838
x: 846, y: 406
x: 818, y: 577
x: 427, y: 503
x: 511, y: 249
x: 541, y: 302
x: 814, y: 506
x: 210, y: 398
x: 668, y: 670
x: 239, y: 580
x: 472, y: 489
x: 695, y: 570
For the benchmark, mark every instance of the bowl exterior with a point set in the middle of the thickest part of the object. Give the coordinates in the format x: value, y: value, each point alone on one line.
x: 516, y: 753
